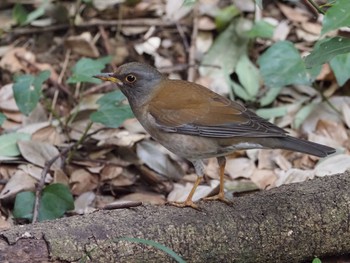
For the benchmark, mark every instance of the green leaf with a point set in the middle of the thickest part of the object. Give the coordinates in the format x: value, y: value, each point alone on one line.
x: 156, y: 245
x: 225, y: 16
x: 316, y: 260
x: 261, y: 29
x: 259, y: 3
x: 337, y: 16
x: 24, y: 205
x: 85, y: 68
x: 27, y: 91
x: 340, y: 65
x: 302, y: 115
x: 224, y: 59
x: 281, y: 65
x: 8, y: 143
x: 32, y: 16
x: 112, y: 112
x: 326, y: 49
x: 19, y: 13
x: 248, y: 75
x: 2, y: 118
x: 55, y: 201
x: 272, y: 112
x: 270, y: 96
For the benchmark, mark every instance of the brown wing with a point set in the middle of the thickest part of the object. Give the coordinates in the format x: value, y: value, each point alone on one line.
x: 192, y: 109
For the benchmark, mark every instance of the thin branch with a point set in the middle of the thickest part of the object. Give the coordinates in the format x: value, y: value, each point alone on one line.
x: 311, y: 3
x: 41, y: 184
x: 71, y: 150
x: 192, y: 54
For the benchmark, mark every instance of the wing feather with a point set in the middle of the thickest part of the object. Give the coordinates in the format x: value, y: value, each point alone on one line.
x: 199, y: 111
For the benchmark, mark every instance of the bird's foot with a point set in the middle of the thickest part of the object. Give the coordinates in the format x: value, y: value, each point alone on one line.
x: 187, y: 203
x: 219, y: 197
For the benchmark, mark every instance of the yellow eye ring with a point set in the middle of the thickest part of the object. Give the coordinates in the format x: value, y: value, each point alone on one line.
x: 130, y: 78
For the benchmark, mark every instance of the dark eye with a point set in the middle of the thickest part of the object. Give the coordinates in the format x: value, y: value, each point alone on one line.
x: 130, y: 78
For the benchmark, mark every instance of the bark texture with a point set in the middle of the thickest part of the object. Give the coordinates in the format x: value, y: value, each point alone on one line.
x: 292, y: 223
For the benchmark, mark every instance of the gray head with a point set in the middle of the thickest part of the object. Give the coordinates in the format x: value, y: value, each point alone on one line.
x: 136, y: 80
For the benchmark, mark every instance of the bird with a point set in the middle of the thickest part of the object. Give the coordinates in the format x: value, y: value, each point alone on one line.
x: 196, y: 123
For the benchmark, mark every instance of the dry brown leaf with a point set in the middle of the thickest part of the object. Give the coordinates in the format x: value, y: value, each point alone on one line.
x: 11, y: 62
x: 332, y: 129
x: 176, y: 10
x: 265, y: 158
x: 345, y: 109
x: 206, y: 23
x: 110, y: 172
x: 326, y: 73
x: 83, y: 45
x: 19, y: 182
x: 204, y: 41
x: 145, y: 197
x: 49, y: 134
x: 294, y: 14
x: 82, y: 203
x: 212, y: 169
x: 149, y: 153
x: 4, y: 224
x: 325, y: 112
x: 281, y: 31
x: 60, y: 177
x: 15, y: 116
x: 282, y: 162
x: 118, y: 137
x: 180, y: 192
x: 333, y: 165
x: 35, y: 172
x: 82, y: 181
x: 150, y: 46
x: 293, y: 176
x: 240, y: 167
x: 313, y: 28
x: 7, y: 101
x: 306, y: 36
x: 263, y: 178
x: 39, y: 153
x: 126, y: 178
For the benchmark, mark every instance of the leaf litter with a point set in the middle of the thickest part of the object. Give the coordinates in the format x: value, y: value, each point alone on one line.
x: 124, y: 164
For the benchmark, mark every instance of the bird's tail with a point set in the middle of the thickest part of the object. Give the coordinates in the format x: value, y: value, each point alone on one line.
x: 303, y: 146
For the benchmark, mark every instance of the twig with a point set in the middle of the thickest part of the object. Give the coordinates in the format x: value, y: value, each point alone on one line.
x: 76, y: 145
x: 64, y: 66
x: 41, y: 184
x: 192, y: 54
x: 95, y: 23
x: 314, y: 6
x: 182, y: 35
x: 70, y: 149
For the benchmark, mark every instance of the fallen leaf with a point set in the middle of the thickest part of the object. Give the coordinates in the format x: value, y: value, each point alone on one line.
x: 82, y: 181
x: 82, y: 203
x: 240, y: 167
x: 39, y: 153
x: 145, y: 197
x: 333, y: 165
x: 83, y: 45
x: 35, y: 172
x: 19, y: 182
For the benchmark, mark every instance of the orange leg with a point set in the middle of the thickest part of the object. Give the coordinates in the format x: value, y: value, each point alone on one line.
x: 221, y: 195
x: 188, y: 202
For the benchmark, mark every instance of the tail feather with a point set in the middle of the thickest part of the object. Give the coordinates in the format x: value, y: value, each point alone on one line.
x: 303, y: 146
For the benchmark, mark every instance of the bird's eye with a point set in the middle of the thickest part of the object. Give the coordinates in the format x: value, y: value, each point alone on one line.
x: 130, y: 78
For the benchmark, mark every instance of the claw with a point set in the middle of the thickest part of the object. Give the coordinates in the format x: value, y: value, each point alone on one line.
x: 187, y: 203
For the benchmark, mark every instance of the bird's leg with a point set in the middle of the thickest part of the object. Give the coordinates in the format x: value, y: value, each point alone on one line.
x: 199, y: 167
x: 221, y: 195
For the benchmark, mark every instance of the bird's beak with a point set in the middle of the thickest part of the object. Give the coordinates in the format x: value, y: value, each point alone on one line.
x: 108, y: 77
